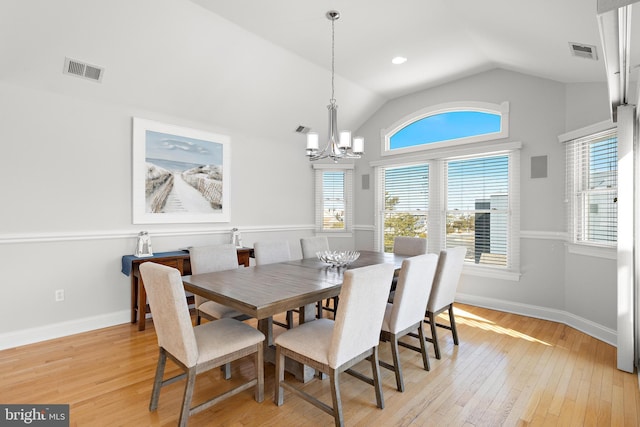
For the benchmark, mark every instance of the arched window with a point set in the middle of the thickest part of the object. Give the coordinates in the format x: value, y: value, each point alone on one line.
x: 447, y: 125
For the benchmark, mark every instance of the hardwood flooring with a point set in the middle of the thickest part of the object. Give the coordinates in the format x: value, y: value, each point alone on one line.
x: 508, y: 370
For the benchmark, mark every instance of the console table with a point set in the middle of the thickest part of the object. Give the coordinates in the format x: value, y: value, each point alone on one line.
x: 176, y: 259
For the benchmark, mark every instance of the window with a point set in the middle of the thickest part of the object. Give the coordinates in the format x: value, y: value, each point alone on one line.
x: 454, y: 196
x: 333, y: 197
x: 447, y: 125
x: 406, y: 202
x: 477, y: 208
x: 592, y: 188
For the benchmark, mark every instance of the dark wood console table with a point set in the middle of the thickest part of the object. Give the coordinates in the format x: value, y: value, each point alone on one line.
x: 175, y: 259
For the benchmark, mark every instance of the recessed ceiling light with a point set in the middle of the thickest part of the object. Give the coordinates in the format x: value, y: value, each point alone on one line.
x: 399, y: 60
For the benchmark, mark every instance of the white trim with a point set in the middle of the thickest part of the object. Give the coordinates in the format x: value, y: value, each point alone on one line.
x: 588, y: 327
x: 593, y: 251
x: 125, y: 234
x: 43, y: 333
x: 485, y: 107
x: 491, y: 272
x: 333, y: 166
x: 489, y: 148
x: 586, y: 131
x: 544, y: 235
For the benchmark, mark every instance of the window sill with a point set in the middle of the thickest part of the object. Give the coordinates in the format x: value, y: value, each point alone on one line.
x: 334, y: 233
x: 492, y: 273
x: 593, y: 251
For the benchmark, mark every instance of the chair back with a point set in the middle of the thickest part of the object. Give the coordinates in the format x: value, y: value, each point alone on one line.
x: 207, y: 259
x: 363, y: 300
x: 412, y: 292
x: 271, y: 251
x: 170, y: 311
x: 447, y: 277
x: 410, y: 246
x: 313, y: 245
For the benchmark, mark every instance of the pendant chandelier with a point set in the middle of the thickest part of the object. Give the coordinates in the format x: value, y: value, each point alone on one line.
x: 339, y: 146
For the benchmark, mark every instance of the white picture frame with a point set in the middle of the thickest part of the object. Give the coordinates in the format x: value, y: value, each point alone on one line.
x: 180, y: 175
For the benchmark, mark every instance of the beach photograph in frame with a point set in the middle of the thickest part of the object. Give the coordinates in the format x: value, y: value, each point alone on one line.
x: 180, y: 175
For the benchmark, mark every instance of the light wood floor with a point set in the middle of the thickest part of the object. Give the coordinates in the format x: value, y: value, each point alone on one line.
x: 508, y: 370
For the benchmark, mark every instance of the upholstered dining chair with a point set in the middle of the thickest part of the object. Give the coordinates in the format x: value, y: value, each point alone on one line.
x: 408, y: 246
x: 310, y: 247
x: 406, y: 314
x: 195, y: 349
x: 207, y: 259
x: 332, y: 347
x: 271, y: 252
x: 443, y: 293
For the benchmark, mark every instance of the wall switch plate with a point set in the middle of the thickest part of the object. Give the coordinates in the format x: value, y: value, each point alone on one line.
x: 60, y: 295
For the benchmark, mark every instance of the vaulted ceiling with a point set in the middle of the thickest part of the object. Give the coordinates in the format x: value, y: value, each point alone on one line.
x: 443, y: 40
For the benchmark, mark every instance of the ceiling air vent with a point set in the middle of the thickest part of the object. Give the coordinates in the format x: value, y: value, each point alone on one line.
x: 583, y: 50
x: 303, y: 129
x: 82, y: 69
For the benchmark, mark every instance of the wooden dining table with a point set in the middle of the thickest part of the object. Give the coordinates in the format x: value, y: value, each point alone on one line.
x: 264, y: 291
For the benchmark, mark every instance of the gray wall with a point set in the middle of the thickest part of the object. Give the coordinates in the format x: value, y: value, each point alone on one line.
x: 576, y: 289
x: 65, y: 171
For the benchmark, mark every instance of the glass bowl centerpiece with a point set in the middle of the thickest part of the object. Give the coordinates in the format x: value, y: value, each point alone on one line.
x: 338, y: 258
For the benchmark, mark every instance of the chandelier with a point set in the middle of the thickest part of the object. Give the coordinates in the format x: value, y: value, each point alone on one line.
x: 339, y: 146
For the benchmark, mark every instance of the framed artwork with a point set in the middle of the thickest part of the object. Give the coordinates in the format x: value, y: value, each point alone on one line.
x: 180, y: 175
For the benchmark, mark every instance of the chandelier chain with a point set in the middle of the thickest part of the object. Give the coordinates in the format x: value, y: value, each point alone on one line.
x: 333, y: 56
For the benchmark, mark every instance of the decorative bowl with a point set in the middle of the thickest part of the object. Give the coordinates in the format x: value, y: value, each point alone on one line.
x: 338, y: 258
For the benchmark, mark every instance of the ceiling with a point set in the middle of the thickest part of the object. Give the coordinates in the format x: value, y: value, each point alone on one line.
x: 443, y: 39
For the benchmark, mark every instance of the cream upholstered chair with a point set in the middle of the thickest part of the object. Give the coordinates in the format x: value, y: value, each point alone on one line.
x: 195, y: 349
x: 406, y: 314
x: 270, y: 252
x: 411, y: 246
x: 407, y: 246
x: 331, y: 346
x: 207, y: 259
x: 443, y: 293
x: 310, y: 247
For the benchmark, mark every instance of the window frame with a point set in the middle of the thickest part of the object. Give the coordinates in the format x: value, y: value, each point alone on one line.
x: 576, y: 245
x: 485, y: 107
x: 319, y: 170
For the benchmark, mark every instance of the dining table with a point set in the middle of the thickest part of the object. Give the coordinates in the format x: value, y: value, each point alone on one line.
x: 264, y: 291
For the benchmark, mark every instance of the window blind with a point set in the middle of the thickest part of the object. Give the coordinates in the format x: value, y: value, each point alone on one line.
x: 592, y: 188
x: 333, y: 198
x: 406, y: 202
x: 477, y: 208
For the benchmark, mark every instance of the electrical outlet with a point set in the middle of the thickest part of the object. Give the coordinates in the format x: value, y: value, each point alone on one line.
x: 60, y: 295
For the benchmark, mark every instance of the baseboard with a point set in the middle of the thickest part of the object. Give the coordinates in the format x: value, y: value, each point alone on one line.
x: 62, y: 329
x: 587, y: 326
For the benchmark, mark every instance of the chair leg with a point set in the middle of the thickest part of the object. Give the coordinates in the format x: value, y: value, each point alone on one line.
x: 335, y: 396
x: 226, y: 370
x: 278, y: 395
x: 452, y: 321
x: 396, y: 362
x: 289, y: 319
x: 198, y: 317
x: 434, y: 334
x: 188, y: 394
x: 423, y: 348
x: 375, y: 367
x: 157, y: 382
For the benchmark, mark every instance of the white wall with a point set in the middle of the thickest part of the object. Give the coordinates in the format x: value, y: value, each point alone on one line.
x: 574, y: 289
x: 65, y: 171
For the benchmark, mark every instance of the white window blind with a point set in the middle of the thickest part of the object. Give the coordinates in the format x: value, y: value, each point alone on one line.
x: 333, y: 199
x: 592, y: 188
x: 406, y: 202
x: 477, y: 208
